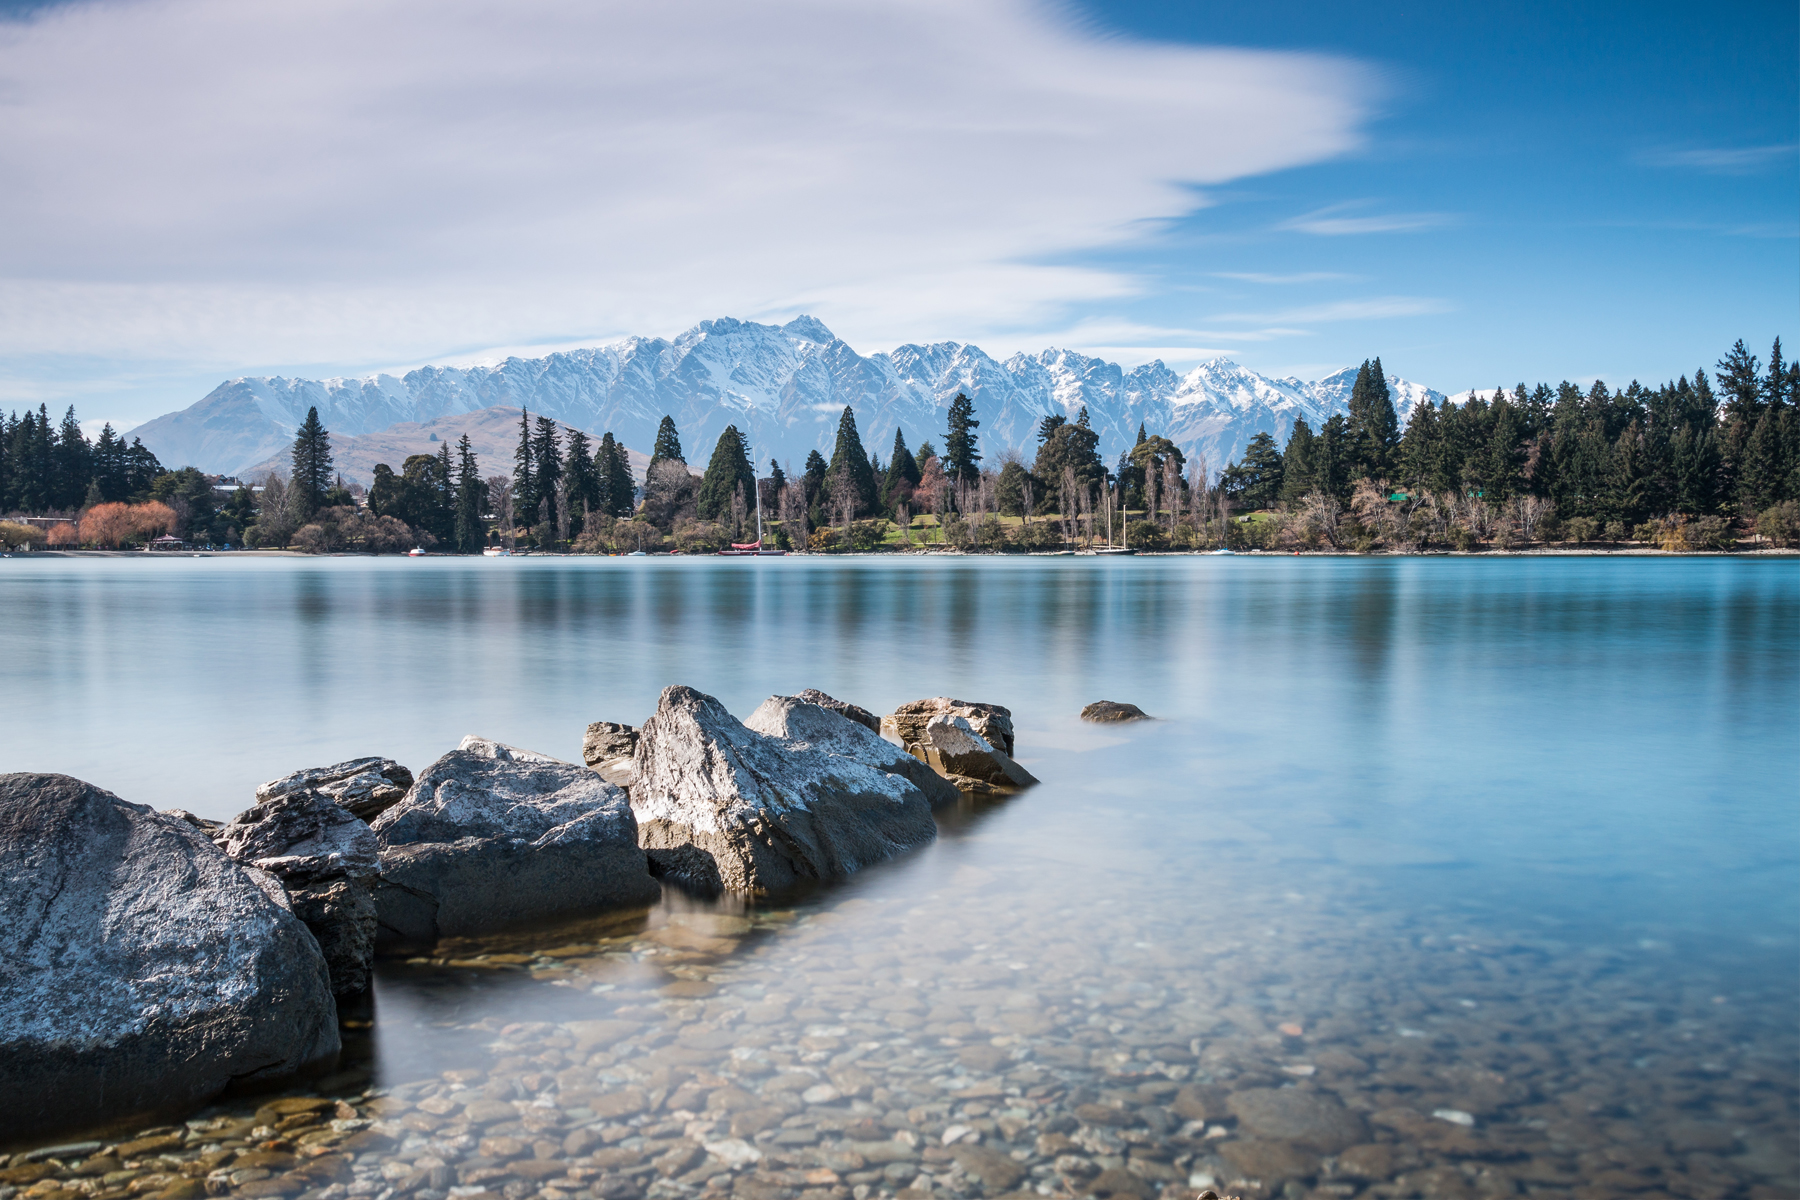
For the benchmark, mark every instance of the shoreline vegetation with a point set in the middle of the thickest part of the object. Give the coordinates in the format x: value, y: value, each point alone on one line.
x: 1682, y: 468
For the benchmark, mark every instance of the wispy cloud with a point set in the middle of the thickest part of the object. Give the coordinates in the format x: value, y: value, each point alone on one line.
x: 378, y: 181
x: 1368, y: 308
x: 1297, y: 277
x: 1339, y: 220
x: 1722, y: 160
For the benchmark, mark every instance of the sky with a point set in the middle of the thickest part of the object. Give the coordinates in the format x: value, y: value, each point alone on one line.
x: 1479, y: 194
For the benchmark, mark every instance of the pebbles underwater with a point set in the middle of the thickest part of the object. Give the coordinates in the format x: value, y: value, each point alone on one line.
x: 945, y: 1026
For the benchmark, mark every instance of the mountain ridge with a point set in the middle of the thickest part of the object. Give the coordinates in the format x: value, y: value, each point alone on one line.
x: 783, y: 386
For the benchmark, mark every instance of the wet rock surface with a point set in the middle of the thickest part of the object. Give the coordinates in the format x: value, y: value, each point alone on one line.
x: 1111, y: 711
x: 106, y: 1007
x: 367, y: 787
x: 768, y: 812
x: 327, y: 859
x: 906, y: 724
x: 491, y: 836
x: 829, y: 730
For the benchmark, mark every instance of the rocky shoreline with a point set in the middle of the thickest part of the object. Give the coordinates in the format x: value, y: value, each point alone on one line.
x: 152, y: 961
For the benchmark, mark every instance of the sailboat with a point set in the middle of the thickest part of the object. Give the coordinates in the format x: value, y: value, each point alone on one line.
x: 1124, y: 546
x: 753, y: 549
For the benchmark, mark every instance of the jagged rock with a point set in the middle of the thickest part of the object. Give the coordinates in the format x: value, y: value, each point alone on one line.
x: 365, y: 786
x: 822, y: 728
x: 608, y: 748
x: 608, y: 740
x: 861, y: 716
x: 327, y: 859
x: 954, y: 750
x: 768, y: 812
x: 209, y: 828
x: 140, y: 968
x: 907, y: 723
x: 493, y: 836
x: 1107, y: 711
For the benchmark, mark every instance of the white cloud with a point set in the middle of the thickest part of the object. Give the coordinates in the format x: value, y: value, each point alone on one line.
x: 1723, y: 160
x: 1336, y: 221
x: 1296, y: 277
x: 383, y: 181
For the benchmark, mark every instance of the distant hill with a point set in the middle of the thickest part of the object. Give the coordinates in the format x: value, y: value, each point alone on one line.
x: 783, y: 386
x: 493, y: 435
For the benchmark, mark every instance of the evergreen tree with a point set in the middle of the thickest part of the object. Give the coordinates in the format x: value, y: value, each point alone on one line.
x: 849, y: 472
x: 1373, y: 432
x: 612, y: 467
x: 72, y: 463
x: 1298, y: 468
x: 546, y: 454
x: 581, y: 483
x: 902, y: 474
x: 960, y: 455
x: 728, y: 471
x: 668, y: 443
x: 471, y: 498
x: 312, y: 467
x: 1049, y: 425
x: 813, y: 484
x: 1256, y: 481
x: 525, y: 476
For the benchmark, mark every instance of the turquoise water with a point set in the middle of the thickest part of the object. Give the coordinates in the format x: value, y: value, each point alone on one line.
x: 1515, y: 803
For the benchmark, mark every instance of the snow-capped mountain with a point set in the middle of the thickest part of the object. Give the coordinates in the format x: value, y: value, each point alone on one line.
x: 784, y: 386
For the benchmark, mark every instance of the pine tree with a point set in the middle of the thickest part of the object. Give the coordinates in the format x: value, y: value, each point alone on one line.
x: 849, y: 472
x: 1373, y: 432
x: 1256, y: 481
x: 668, y: 443
x: 580, y: 481
x: 312, y: 467
x: 471, y: 498
x: 1297, y: 461
x: 902, y: 474
x: 728, y: 471
x: 546, y: 454
x: 525, y: 496
x: 960, y: 454
x: 74, y: 467
x: 612, y: 467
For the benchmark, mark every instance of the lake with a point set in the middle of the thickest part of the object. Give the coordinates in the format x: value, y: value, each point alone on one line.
x: 1443, y: 877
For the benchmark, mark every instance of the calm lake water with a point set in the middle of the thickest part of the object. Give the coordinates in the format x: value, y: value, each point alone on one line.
x: 1435, y: 877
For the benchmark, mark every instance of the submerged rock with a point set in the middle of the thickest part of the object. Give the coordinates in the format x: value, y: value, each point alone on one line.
x: 1108, y: 711
x: 1304, y: 1118
x: 843, y: 708
x: 492, y: 836
x: 814, y: 725
x: 365, y: 786
x: 968, y: 760
x: 907, y: 723
x: 765, y: 812
x: 140, y: 968
x: 327, y: 859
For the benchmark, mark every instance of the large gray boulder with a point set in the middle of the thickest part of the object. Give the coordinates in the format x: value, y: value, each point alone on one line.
x: 140, y: 968
x: 365, y: 786
x: 965, y: 758
x: 491, y: 836
x: 843, y: 708
x: 720, y: 806
x: 327, y: 859
x: 907, y: 723
x: 821, y: 728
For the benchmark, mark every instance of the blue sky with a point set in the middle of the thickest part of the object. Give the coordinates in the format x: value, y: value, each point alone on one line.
x: 200, y: 189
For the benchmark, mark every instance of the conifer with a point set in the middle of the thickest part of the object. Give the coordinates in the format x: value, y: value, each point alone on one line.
x: 960, y: 454
x: 728, y: 470
x: 849, y: 471
x: 312, y: 467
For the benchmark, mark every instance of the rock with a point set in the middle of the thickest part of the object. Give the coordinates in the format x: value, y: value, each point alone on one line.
x: 768, y: 812
x: 806, y: 722
x: 1106, y: 711
x: 492, y: 836
x: 607, y: 748
x: 861, y: 716
x: 365, y: 786
x: 907, y: 723
x: 209, y: 828
x: 1306, y: 1118
x: 954, y: 750
x: 608, y: 739
x: 996, y: 1169
x: 1270, y: 1162
x: 327, y: 860
x: 107, y: 1008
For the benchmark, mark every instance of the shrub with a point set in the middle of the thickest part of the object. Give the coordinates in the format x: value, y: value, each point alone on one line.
x: 17, y: 533
x: 1780, y: 523
x: 869, y: 535
x: 1146, y: 535
x: 700, y: 537
x: 823, y: 540
x: 1043, y: 535
x: 1615, y: 531
x: 1710, y: 533
x: 65, y: 534
x: 1463, y: 537
x: 1580, y: 529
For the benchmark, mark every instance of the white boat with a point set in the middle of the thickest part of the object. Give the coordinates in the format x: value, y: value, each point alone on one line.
x: 415, y: 552
x: 1221, y: 550
x: 496, y: 552
x: 637, y: 554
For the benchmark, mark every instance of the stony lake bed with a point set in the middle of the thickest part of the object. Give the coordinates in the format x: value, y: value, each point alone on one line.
x: 1201, y: 953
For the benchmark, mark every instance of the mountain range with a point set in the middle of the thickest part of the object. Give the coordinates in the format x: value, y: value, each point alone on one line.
x: 783, y: 386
